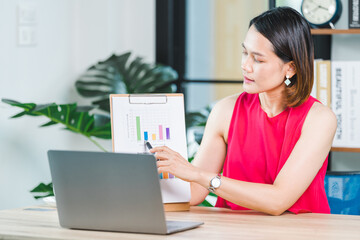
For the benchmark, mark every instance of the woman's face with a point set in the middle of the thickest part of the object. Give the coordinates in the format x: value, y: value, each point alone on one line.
x: 263, y: 71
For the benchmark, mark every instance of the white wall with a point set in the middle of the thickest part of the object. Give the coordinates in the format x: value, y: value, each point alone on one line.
x: 71, y: 35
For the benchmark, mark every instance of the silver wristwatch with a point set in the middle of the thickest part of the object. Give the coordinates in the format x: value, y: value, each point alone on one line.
x: 215, y: 183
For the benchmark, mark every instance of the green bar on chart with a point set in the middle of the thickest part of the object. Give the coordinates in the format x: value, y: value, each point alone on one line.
x: 138, y: 130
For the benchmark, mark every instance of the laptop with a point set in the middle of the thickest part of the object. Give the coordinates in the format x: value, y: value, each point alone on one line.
x: 110, y: 192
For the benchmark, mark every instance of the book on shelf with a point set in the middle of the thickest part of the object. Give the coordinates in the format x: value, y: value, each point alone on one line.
x: 338, y: 80
x: 345, y: 95
x: 323, y: 82
x: 354, y: 12
x: 313, y: 90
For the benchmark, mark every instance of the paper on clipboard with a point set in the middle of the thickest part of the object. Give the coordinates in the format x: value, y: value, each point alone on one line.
x: 159, y: 119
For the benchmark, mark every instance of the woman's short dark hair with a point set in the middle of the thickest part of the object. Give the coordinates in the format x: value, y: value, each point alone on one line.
x: 290, y: 36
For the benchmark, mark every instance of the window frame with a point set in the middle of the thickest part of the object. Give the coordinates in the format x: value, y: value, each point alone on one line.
x: 171, y: 42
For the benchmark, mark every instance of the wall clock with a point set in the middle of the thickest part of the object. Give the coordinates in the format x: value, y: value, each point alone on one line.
x: 321, y: 13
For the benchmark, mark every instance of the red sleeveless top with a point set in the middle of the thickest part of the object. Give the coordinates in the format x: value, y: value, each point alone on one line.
x: 258, y: 147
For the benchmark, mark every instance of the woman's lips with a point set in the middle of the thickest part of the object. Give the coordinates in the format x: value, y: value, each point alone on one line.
x: 247, y: 80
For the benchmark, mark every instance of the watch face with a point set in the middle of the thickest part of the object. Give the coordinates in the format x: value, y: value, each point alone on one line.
x: 216, y: 182
x: 319, y: 12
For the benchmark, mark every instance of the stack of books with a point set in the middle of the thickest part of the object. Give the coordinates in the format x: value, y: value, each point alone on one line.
x: 354, y: 12
x: 337, y: 85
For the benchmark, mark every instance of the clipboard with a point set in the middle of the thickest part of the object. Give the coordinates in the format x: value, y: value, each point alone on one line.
x: 159, y: 119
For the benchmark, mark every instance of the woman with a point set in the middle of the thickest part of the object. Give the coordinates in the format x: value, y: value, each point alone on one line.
x: 271, y: 141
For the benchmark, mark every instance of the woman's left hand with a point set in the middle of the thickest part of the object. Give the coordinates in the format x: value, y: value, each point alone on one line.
x: 172, y: 162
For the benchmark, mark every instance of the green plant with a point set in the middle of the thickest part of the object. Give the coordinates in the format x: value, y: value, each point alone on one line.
x: 74, y: 118
x: 198, y: 119
x: 45, y: 190
x: 117, y: 74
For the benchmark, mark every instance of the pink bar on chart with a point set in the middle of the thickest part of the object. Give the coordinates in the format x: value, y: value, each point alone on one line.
x: 160, y: 132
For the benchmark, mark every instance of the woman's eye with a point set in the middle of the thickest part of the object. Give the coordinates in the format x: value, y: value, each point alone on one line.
x: 244, y: 53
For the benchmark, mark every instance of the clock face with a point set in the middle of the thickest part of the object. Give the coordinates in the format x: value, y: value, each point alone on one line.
x: 319, y: 11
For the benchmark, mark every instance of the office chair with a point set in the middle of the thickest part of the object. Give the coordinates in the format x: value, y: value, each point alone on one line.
x: 343, y: 192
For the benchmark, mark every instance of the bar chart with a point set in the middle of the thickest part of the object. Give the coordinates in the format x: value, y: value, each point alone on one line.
x: 158, y: 119
x: 148, y: 126
x: 152, y: 126
x: 166, y: 176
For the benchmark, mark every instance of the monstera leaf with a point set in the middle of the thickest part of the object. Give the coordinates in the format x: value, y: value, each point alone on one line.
x: 118, y: 74
x: 74, y: 118
x: 43, y: 190
x: 194, y: 119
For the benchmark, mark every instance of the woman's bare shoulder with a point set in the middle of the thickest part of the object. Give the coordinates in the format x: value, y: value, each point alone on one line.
x: 227, y: 103
x: 320, y: 114
x: 221, y: 114
x: 319, y: 110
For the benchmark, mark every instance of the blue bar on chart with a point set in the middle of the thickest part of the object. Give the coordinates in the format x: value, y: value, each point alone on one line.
x: 167, y: 133
x: 166, y: 175
x: 146, y: 137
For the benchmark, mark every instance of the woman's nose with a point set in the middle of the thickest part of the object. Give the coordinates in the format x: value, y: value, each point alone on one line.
x: 246, y: 65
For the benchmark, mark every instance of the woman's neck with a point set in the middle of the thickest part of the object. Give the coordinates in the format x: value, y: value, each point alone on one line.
x: 272, y: 103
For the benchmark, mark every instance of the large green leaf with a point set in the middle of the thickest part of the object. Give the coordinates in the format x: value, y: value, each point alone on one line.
x: 118, y: 74
x: 206, y: 203
x: 45, y: 190
x: 194, y: 119
x: 75, y: 119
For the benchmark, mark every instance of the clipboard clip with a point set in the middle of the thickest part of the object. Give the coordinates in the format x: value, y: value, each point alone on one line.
x: 147, y: 99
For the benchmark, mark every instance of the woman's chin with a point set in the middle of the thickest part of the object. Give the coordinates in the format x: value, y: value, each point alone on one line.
x: 249, y: 89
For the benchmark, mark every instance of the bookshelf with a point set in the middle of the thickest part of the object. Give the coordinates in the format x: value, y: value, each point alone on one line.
x: 334, y: 31
x: 330, y: 32
x: 338, y: 149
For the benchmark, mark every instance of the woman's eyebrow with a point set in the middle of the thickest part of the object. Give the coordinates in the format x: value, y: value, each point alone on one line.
x: 255, y: 53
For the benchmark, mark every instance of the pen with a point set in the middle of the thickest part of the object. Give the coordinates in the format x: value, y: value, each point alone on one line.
x: 148, y: 145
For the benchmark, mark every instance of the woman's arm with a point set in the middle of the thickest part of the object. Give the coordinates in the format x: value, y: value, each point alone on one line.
x: 297, y: 173
x: 212, y: 151
x: 294, y: 178
x: 210, y: 155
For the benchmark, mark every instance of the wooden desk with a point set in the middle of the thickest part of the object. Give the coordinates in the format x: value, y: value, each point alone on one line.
x: 42, y: 223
